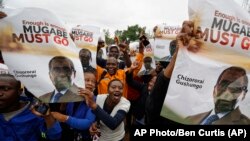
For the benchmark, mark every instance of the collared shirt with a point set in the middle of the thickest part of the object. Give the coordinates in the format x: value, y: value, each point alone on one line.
x: 220, y: 115
x: 55, y: 92
x: 10, y: 115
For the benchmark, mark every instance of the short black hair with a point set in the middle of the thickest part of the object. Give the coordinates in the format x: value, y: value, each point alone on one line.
x: 147, y: 58
x: 61, y: 58
x: 115, y: 80
x: 85, y: 49
x: 18, y: 83
x: 89, y: 70
x: 240, y: 70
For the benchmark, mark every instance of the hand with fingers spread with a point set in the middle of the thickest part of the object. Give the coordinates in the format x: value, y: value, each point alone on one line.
x: 123, y: 47
x: 134, y: 66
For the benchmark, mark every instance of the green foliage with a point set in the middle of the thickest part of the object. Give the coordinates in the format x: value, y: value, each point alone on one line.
x: 131, y: 34
x: 108, y: 39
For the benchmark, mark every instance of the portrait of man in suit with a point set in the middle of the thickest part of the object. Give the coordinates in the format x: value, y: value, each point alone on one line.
x: 62, y: 73
x: 229, y: 91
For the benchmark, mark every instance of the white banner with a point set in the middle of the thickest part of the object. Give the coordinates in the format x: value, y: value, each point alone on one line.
x: 164, y: 34
x: 86, y: 37
x: 168, y: 32
x: 30, y: 38
x: 213, y: 80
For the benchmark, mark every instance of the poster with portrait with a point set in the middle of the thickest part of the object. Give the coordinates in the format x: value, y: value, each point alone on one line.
x: 39, y: 52
x: 148, y: 61
x: 214, y: 80
x: 164, y: 41
x: 86, y: 39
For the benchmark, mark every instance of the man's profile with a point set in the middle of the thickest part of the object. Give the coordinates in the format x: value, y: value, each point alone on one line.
x: 62, y: 72
x: 229, y: 91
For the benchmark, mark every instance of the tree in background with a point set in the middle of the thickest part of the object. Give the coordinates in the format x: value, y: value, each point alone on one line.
x: 131, y: 34
x: 108, y: 39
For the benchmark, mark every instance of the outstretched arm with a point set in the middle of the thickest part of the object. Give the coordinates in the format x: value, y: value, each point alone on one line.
x: 123, y: 48
x: 111, y: 122
x: 129, y: 77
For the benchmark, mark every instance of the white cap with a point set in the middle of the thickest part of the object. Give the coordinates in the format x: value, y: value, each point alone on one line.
x: 4, y: 69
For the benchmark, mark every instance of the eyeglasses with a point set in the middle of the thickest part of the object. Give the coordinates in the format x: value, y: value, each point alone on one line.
x: 66, y: 70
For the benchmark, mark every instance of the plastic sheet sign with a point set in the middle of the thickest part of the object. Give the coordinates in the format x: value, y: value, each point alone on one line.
x: 216, y: 78
x: 86, y: 36
x: 166, y: 31
x: 30, y: 38
x: 164, y: 35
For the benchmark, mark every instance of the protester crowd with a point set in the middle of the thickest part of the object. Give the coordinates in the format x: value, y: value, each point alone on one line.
x: 116, y: 96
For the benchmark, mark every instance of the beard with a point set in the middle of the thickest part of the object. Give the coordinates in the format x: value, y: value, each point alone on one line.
x: 222, y: 105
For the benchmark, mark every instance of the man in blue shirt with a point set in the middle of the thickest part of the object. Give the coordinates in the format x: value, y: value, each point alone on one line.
x: 17, y: 122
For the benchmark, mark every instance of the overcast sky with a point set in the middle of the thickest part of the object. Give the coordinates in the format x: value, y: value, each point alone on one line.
x: 112, y: 14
